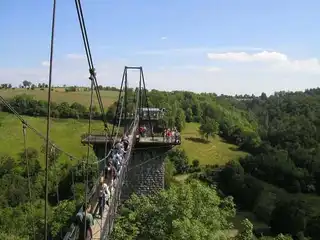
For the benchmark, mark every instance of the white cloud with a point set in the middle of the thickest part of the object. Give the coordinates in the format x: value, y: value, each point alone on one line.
x: 311, y: 65
x: 75, y: 56
x: 263, y: 56
x: 276, y: 61
x: 164, y: 38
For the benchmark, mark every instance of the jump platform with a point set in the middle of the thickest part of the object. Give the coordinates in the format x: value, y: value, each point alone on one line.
x: 142, y: 142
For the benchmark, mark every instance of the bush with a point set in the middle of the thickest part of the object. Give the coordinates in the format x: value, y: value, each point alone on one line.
x: 195, y: 163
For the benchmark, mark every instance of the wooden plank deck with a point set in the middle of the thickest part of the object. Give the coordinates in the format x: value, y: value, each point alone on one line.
x: 99, y: 223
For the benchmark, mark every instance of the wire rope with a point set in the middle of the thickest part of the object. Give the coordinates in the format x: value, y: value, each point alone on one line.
x: 88, y: 153
x: 48, y: 116
x: 28, y: 174
x: 89, y: 59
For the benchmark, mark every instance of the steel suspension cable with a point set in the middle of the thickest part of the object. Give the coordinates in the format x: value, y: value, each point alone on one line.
x: 120, y: 118
x: 89, y: 59
x: 48, y: 117
x: 87, y: 49
x: 88, y: 153
x: 24, y: 130
x: 118, y: 102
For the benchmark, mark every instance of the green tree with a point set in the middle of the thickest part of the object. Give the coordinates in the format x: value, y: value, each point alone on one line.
x: 180, y: 160
x: 180, y: 119
x: 247, y: 233
x: 169, y: 173
x: 61, y: 216
x: 33, y: 160
x: 26, y: 83
x: 189, y: 115
x: 185, y: 211
x: 288, y: 217
x: 209, y: 127
x: 6, y: 236
x: 7, y: 165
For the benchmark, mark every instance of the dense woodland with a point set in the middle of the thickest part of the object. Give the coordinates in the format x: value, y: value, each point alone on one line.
x: 281, y: 132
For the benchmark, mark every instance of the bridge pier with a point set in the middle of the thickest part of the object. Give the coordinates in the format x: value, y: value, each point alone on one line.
x: 145, y: 173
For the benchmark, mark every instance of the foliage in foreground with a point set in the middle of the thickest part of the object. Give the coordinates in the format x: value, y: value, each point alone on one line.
x: 22, y: 216
x: 188, y: 211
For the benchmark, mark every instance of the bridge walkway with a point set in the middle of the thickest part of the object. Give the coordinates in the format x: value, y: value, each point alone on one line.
x: 103, y: 224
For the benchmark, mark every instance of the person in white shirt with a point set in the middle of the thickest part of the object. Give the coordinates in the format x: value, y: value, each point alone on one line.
x: 104, y: 195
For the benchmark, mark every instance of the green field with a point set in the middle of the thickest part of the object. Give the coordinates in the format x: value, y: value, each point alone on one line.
x: 66, y: 133
x: 59, y: 95
x: 216, y: 151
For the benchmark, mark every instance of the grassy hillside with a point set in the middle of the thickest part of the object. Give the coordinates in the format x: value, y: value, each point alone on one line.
x: 215, y: 151
x: 59, y: 95
x: 65, y: 133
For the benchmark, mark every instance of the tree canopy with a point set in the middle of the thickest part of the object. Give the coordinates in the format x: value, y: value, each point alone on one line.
x: 188, y: 211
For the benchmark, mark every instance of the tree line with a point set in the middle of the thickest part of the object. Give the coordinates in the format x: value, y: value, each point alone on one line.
x: 29, y: 85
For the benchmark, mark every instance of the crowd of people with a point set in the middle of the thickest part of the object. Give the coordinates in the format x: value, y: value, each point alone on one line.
x: 84, y: 219
x: 169, y: 135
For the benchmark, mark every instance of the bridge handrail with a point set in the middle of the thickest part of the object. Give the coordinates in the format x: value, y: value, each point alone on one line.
x: 108, y: 226
x: 73, y: 230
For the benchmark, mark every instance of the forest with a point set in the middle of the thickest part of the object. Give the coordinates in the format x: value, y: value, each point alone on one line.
x: 279, y: 180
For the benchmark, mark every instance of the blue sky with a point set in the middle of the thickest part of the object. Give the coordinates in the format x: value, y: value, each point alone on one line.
x: 221, y: 46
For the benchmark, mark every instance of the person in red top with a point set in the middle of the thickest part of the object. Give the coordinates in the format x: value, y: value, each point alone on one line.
x: 169, y: 135
x: 141, y: 130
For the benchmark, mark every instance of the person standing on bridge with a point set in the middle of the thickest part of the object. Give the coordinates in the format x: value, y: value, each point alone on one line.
x: 169, y: 135
x: 85, y: 221
x: 164, y: 134
x: 125, y: 141
x: 110, y: 174
x: 118, y: 145
x: 122, y: 152
x: 103, y: 196
x: 117, y: 161
x: 177, y: 137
